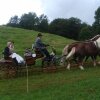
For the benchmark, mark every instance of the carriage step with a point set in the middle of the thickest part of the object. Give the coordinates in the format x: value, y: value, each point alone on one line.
x: 3, y: 60
x: 50, y: 69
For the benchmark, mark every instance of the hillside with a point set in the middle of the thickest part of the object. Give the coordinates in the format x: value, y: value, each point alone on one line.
x: 61, y: 85
x: 24, y: 38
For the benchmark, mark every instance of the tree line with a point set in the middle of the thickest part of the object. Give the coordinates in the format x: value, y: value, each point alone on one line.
x: 72, y: 27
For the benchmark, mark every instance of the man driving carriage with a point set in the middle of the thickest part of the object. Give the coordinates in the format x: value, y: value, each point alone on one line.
x: 39, y: 45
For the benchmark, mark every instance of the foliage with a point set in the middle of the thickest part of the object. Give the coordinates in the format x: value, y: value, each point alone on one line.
x: 57, y: 26
x: 28, y: 21
x: 74, y: 26
x: 25, y: 38
x: 66, y: 27
x: 86, y: 33
x: 96, y: 24
x: 74, y: 84
x: 43, y: 23
x: 71, y: 28
x: 14, y: 21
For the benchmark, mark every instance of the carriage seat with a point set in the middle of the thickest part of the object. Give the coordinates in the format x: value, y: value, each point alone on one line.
x: 38, y: 53
x: 6, y: 63
x: 8, y: 60
x: 30, y: 58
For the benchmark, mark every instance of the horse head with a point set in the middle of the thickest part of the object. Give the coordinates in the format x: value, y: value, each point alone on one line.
x: 63, y: 57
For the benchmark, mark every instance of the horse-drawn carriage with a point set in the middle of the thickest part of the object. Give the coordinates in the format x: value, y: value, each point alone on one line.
x: 30, y: 58
x: 10, y: 67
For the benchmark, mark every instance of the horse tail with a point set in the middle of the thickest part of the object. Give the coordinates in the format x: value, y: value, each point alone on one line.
x: 65, y: 50
x: 71, y: 53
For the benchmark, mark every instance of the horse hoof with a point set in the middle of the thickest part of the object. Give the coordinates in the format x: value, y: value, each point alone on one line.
x: 99, y: 62
x: 67, y: 68
x: 81, y: 67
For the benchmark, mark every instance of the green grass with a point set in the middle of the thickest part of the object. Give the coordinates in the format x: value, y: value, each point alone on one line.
x: 61, y: 85
x: 25, y: 38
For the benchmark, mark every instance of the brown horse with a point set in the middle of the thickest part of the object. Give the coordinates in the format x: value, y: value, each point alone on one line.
x: 80, y: 50
x: 93, y: 39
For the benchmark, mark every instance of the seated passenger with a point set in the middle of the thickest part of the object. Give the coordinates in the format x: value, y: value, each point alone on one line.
x: 9, y: 53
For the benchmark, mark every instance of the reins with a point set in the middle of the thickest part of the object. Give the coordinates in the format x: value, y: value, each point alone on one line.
x: 61, y: 57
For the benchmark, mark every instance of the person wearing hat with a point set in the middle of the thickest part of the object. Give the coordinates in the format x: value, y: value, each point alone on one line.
x: 41, y: 46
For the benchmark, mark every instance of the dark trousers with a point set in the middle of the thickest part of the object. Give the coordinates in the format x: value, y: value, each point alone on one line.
x: 15, y: 61
x: 45, y: 52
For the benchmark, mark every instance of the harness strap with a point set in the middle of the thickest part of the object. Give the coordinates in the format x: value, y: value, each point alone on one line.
x: 61, y: 56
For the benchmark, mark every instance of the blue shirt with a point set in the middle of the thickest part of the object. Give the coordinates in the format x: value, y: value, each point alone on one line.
x: 39, y: 44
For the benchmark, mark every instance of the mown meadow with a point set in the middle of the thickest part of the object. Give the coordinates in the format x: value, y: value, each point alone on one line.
x: 25, y: 38
x: 61, y: 85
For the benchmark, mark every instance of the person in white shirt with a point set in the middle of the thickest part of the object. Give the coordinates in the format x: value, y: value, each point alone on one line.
x: 15, y: 55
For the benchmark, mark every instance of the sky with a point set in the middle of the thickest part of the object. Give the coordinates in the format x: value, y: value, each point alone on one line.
x: 82, y: 9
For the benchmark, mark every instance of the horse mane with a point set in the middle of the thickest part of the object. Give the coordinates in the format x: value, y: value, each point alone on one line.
x: 95, y: 37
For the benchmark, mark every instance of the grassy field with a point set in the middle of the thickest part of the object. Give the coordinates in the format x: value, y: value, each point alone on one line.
x: 25, y: 38
x: 61, y: 85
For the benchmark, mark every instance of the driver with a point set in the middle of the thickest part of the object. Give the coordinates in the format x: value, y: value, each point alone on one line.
x: 41, y: 46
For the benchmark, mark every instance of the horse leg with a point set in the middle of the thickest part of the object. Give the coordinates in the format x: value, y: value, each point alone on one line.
x: 81, y: 66
x: 99, y: 61
x: 74, y: 58
x: 81, y: 63
x: 68, y: 66
x: 94, y: 60
x: 86, y: 58
x: 71, y: 53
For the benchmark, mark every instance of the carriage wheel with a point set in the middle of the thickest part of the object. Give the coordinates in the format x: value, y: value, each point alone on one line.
x: 10, y: 70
